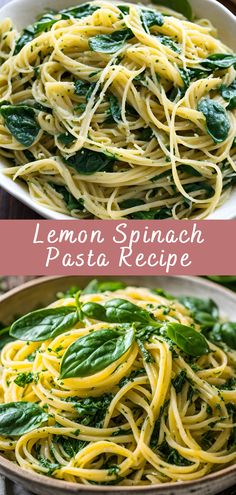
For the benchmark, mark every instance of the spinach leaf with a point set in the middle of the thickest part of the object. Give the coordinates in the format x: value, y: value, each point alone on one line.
x: 44, y: 324
x: 124, y: 9
x: 219, y: 61
x: 229, y: 94
x: 95, y: 287
x: 66, y: 138
x: 50, y: 466
x: 114, y: 112
x: 5, y: 337
x: 218, y: 124
x: 110, y: 43
x: 43, y: 24
x: 168, y: 41
x: 163, y: 293
x: 94, y: 352
x: 24, y: 379
x: 79, y: 11
x: 204, y: 311
x: 182, y: 6
x: 224, y: 333
x: 160, y: 214
x: 71, y: 446
x: 187, y: 339
x: 187, y: 169
x: 18, y: 418
x: 151, y: 18
x: 83, y: 88
x: 71, y: 202
x: 179, y: 381
x: 117, y: 311
x: 92, y: 410
x: 21, y: 122
x: 145, y: 134
x: 131, y: 202
x: 87, y: 162
x: 172, y: 456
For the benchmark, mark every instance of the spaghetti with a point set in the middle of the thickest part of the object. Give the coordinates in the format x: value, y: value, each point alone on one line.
x: 136, y: 389
x: 115, y: 110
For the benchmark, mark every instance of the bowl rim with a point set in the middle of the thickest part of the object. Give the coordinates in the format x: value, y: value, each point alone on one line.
x: 226, y: 211
x: 26, y: 475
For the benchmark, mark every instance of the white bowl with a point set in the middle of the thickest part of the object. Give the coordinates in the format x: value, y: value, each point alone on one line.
x: 24, y: 12
x: 42, y: 292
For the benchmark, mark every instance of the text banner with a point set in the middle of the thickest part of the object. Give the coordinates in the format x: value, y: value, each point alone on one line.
x: 94, y: 247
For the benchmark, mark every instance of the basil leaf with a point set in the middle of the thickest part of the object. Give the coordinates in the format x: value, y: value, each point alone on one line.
x: 114, y: 112
x: 66, y: 138
x: 117, y: 311
x: 151, y: 18
x: 182, y: 6
x: 44, y: 324
x: 18, y: 418
x: 219, y: 61
x: 229, y: 94
x: 87, y: 162
x: 224, y: 333
x: 187, y: 339
x: 80, y: 11
x: 110, y: 43
x: 163, y: 293
x: 94, y: 352
x: 71, y: 202
x: 21, y: 122
x: 95, y: 287
x: 218, y: 124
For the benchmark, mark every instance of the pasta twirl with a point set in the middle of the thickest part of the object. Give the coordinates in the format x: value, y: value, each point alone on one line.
x: 127, y: 111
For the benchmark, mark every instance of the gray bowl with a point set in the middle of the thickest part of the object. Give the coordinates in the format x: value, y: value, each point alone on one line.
x: 43, y: 291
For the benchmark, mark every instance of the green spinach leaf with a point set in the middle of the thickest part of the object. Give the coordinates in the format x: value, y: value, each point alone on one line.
x: 110, y: 43
x: 114, y: 112
x: 21, y: 122
x: 187, y: 339
x: 224, y: 333
x: 94, y: 352
x: 92, y: 410
x: 18, y: 418
x: 182, y: 6
x: 66, y: 138
x: 229, y: 94
x: 179, y: 381
x: 5, y: 337
x: 117, y: 311
x: 172, y: 456
x: 204, y: 311
x: 95, y: 286
x: 87, y: 162
x: 80, y: 11
x: 218, y: 124
x: 44, y: 324
x: 151, y: 18
x: 71, y: 202
x: 219, y: 61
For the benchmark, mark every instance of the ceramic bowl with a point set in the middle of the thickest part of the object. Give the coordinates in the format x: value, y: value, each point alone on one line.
x: 24, y: 12
x: 43, y: 291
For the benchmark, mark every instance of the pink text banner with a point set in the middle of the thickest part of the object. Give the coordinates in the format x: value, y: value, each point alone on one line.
x: 117, y: 247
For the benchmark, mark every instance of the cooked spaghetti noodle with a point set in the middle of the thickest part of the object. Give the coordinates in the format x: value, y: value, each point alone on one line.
x: 155, y: 414
x: 116, y: 125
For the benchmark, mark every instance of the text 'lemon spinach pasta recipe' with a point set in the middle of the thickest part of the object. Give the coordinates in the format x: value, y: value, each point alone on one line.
x: 114, y: 110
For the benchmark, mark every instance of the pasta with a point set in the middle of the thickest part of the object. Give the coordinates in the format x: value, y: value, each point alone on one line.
x: 115, y: 110
x: 120, y: 385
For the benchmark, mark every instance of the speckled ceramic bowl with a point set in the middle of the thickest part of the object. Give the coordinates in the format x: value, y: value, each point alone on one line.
x: 24, y: 12
x: 43, y: 291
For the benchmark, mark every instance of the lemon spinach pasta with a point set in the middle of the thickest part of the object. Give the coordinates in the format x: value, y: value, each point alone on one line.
x: 119, y: 385
x: 115, y: 110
